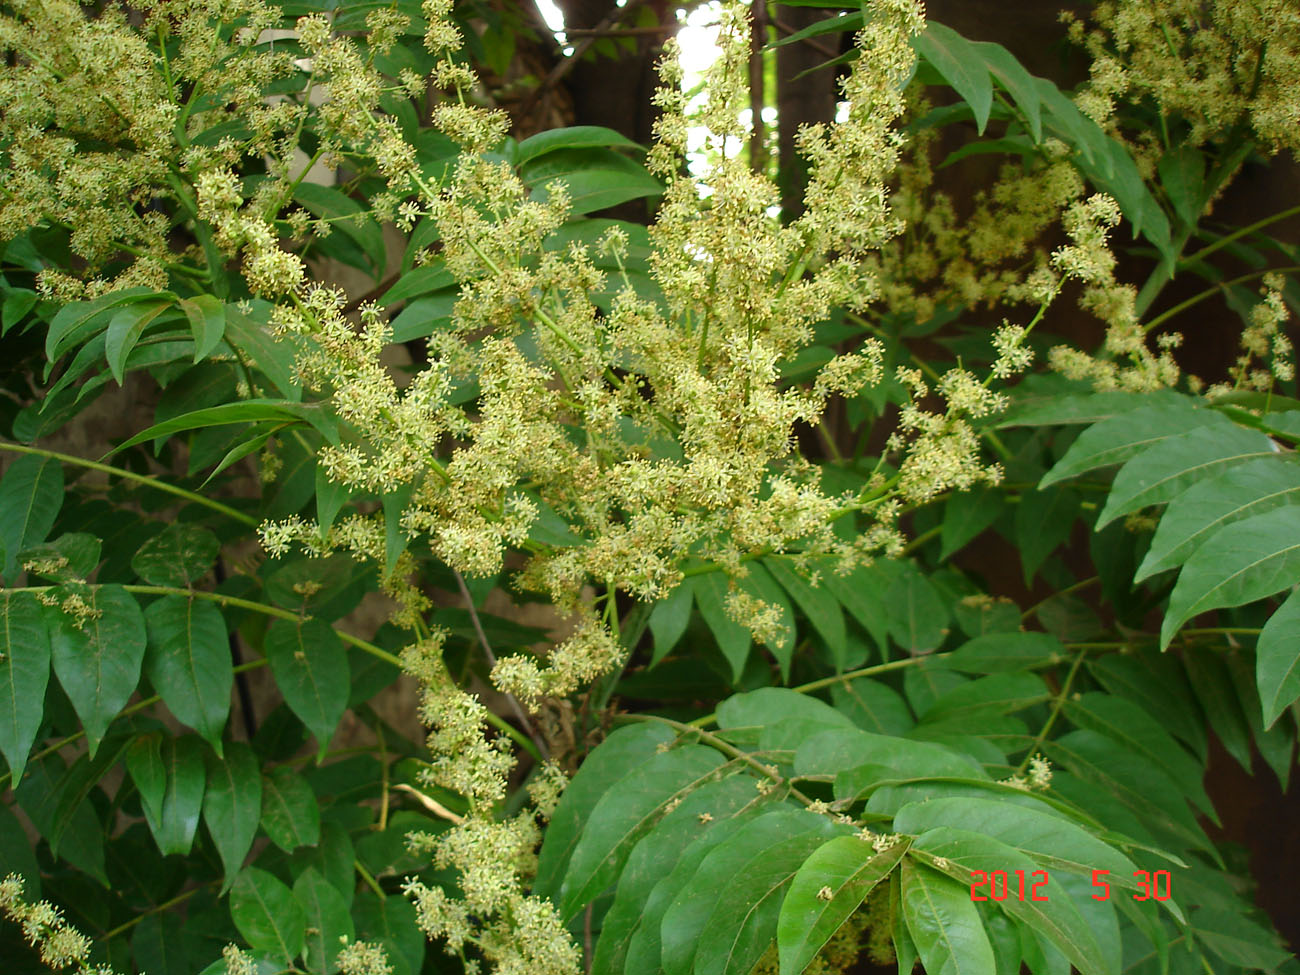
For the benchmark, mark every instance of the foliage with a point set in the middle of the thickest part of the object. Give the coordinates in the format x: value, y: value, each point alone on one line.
x: 805, y: 722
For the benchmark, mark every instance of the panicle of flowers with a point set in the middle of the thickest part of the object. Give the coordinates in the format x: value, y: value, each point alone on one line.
x: 141, y: 148
x: 1127, y: 361
x: 1212, y: 64
x: 362, y: 958
x: 941, y: 451
x: 1267, y: 352
x: 57, y: 942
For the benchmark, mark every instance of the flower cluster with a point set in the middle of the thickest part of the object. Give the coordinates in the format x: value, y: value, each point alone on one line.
x: 58, y: 942
x: 1214, y: 65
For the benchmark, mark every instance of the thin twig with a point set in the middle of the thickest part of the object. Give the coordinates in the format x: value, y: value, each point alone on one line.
x: 817, y: 46
x: 492, y: 662
x: 565, y: 66
x: 586, y: 937
x: 757, y: 43
x: 620, y: 31
x: 431, y: 804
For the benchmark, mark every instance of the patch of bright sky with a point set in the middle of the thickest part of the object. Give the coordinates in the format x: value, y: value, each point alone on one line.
x: 698, y: 41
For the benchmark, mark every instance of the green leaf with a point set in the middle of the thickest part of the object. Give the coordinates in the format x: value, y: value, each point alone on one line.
x: 831, y: 752
x: 943, y: 923
x: 818, y: 605
x: 1209, y: 677
x: 31, y: 493
x: 335, y: 855
x: 1239, y: 940
x: 125, y: 329
x: 267, y: 914
x: 1226, y: 497
x: 176, y: 556
x: 851, y: 868
x: 246, y: 411
x: 273, y: 355
x: 657, y: 854
x: 1132, y: 726
x: 595, y: 178
x: 960, y: 63
x: 207, y: 316
x: 626, y: 813
x: 918, y: 612
x: 17, y: 304
x: 159, y: 945
x: 838, y: 23
x: 873, y: 706
x: 644, y: 949
x: 1277, y: 663
x: 329, y: 925
x: 669, y: 619
x: 1182, y: 174
x: 1147, y: 792
x: 573, y: 137
x: 1124, y: 435
x: 98, y: 663
x: 862, y: 593
x: 145, y: 764
x: 771, y: 705
x: 311, y: 670
x: 347, y: 216
x: 1244, y: 561
x: 189, y: 664
x: 1049, y: 838
x: 966, y: 514
x: 619, y: 754
x: 17, y: 854
x: 996, y: 653
x: 1057, y: 919
x: 745, y: 917
x: 80, y: 835
x: 391, y: 922
x: 1063, y: 409
x: 733, y: 639
x: 330, y: 498
x: 232, y: 805
x: 75, y: 322
x: 326, y: 588
x: 182, y: 760
x: 1158, y: 683
x: 290, y: 814
x: 78, y: 551
x: 24, y: 674
x: 996, y: 694
x: 682, y: 931
x: 395, y: 538
x: 419, y: 281
x: 1276, y: 745
x: 1162, y: 472
x: 1016, y: 80
x: 1043, y: 522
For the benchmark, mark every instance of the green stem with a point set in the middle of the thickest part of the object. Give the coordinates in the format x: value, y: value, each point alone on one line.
x: 132, y: 476
x: 135, y: 708
x: 1082, y: 584
x: 1051, y: 718
x: 728, y: 749
x: 921, y: 539
x: 1239, y: 233
x: 817, y: 685
x: 369, y: 878
x: 157, y: 909
x: 1213, y: 290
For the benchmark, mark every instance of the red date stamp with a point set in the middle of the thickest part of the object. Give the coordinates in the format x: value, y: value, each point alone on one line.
x: 1018, y: 885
